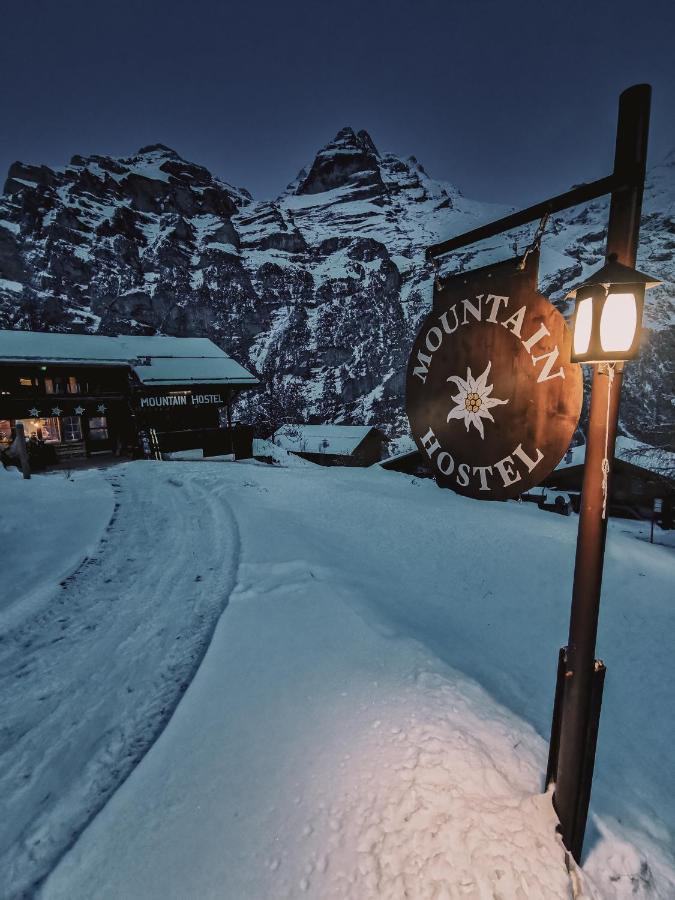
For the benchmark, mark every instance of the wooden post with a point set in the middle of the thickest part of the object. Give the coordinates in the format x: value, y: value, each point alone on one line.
x: 23, y: 450
x: 578, y: 700
x: 584, y: 675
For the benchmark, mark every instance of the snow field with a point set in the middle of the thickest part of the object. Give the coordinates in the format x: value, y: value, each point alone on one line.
x: 329, y: 745
x: 47, y: 528
x: 311, y: 757
x: 92, y: 669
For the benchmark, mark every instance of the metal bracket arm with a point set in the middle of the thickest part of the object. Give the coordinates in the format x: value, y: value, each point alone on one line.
x: 583, y: 193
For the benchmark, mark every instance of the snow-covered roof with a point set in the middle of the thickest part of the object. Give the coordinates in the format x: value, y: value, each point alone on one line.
x: 661, y: 462
x: 334, y: 439
x: 201, y: 370
x: 157, y: 360
x: 395, y: 457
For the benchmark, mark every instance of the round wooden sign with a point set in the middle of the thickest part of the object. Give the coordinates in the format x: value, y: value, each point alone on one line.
x: 492, y: 398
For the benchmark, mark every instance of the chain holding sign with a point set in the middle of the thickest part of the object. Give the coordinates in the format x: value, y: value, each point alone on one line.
x: 492, y: 397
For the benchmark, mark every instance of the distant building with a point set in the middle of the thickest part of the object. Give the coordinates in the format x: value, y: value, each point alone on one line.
x: 406, y: 458
x: 333, y: 445
x: 80, y: 394
x: 640, y: 474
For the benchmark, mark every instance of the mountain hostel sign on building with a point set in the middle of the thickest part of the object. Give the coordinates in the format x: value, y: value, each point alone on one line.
x: 81, y: 393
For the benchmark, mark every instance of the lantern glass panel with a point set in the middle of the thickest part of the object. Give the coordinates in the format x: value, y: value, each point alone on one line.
x: 583, y: 323
x: 618, y: 322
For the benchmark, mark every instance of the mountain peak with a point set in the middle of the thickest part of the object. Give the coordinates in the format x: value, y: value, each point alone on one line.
x: 350, y: 158
x: 349, y: 139
x: 367, y: 142
x: 159, y: 149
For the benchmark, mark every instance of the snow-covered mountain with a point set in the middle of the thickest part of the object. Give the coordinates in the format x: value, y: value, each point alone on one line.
x: 320, y: 291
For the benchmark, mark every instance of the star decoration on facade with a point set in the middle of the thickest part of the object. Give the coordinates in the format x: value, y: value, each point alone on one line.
x: 473, y: 400
x: 56, y: 410
x: 79, y: 410
x: 34, y: 412
x: 101, y: 407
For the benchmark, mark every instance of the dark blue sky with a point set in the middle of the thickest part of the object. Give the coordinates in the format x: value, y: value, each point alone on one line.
x: 512, y: 101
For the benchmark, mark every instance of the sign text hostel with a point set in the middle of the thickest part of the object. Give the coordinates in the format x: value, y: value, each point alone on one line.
x: 181, y: 399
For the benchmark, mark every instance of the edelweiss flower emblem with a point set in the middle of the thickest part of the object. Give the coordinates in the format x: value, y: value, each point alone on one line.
x: 473, y: 400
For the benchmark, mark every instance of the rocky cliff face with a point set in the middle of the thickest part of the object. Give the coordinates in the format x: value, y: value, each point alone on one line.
x: 320, y: 291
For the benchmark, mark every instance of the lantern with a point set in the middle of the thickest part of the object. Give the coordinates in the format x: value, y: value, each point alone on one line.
x: 608, y: 313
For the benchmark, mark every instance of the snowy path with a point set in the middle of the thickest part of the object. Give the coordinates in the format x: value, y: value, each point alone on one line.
x: 87, y: 680
x: 328, y: 747
x: 316, y: 755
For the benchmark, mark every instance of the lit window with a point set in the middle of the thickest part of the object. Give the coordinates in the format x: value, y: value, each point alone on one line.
x: 26, y: 382
x: 46, y: 429
x: 50, y: 430
x: 49, y: 386
x: 73, y: 386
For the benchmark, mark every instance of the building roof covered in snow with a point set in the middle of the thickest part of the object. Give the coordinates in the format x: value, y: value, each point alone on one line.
x: 193, y: 370
x: 338, y: 440
x: 644, y: 456
x: 156, y: 360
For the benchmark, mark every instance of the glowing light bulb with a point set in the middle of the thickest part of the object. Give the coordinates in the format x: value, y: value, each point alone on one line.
x: 582, y: 325
x: 618, y: 323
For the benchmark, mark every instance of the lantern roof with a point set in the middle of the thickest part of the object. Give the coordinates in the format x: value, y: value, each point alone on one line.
x: 614, y: 272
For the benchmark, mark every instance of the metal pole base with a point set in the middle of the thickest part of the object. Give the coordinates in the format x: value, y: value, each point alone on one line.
x: 573, y: 829
x: 554, y: 743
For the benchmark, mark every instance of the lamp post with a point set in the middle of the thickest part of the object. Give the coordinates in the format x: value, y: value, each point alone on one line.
x: 606, y: 333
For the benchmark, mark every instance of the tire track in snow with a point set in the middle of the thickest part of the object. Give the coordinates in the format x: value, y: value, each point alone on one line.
x: 89, y: 682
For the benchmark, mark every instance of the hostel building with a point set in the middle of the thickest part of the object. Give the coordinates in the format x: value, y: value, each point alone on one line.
x: 81, y: 394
